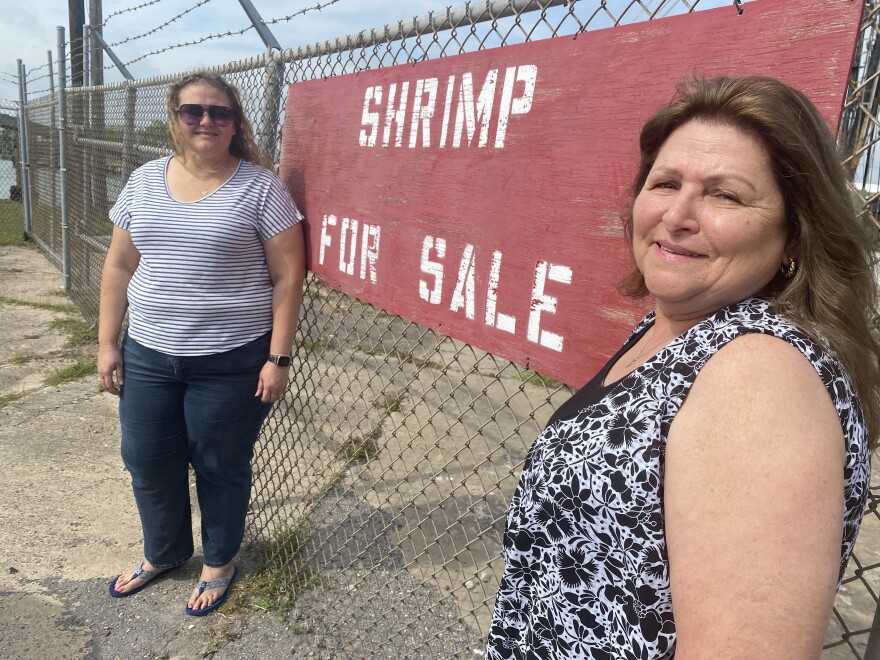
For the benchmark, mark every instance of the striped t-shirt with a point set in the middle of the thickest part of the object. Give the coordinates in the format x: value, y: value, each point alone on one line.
x: 202, y: 285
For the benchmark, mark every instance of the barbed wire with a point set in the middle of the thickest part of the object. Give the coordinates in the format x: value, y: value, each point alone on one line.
x: 317, y: 7
x: 160, y: 27
x: 45, y: 65
x: 9, y: 77
x: 230, y: 33
x: 129, y: 9
x: 184, y: 44
x: 31, y: 81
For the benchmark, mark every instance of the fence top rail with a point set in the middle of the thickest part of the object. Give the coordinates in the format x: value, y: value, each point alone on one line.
x: 435, y: 21
x: 469, y: 13
x: 231, y: 67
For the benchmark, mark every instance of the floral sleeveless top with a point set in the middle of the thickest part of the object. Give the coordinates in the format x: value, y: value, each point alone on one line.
x: 586, y: 571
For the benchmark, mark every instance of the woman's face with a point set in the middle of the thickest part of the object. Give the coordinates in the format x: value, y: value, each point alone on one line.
x: 709, y: 224
x: 205, y: 138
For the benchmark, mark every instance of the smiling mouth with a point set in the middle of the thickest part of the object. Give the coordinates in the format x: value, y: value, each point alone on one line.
x: 680, y: 252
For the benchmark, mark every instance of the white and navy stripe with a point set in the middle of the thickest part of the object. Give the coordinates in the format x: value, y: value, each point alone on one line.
x: 202, y: 285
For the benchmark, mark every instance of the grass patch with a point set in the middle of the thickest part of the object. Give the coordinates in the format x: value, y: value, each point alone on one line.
x: 279, y: 579
x: 390, y: 401
x: 11, y: 222
x: 402, y: 356
x: 333, y: 482
x: 315, y: 345
x: 75, y: 371
x: 24, y: 359
x: 534, y: 378
x: 361, y: 450
x: 53, y: 307
x: 9, y: 398
x: 78, y: 331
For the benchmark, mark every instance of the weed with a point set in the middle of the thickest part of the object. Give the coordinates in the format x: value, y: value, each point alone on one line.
x: 333, y: 481
x: 78, y: 331
x: 535, y: 378
x: 9, y: 398
x: 54, y: 307
x: 222, y: 630
x: 279, y: 579
x: 361, y: 450
x: 315, y: 345
x: 378, y: 349
x: 75, y: 371
x: 390, y: 401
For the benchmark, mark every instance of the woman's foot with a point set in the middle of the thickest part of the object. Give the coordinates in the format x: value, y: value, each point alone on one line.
x: 212, y: 588
x: 128, y: 584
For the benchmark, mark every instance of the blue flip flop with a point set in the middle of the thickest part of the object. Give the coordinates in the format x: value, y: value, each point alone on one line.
x: 213, y: 584
x: 139, y: 572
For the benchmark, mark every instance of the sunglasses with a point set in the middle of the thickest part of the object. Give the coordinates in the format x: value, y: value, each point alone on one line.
x: 192, y: 113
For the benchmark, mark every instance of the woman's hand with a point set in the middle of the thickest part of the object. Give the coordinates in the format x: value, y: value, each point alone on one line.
x: 272, y: 383
x: 110, y: 363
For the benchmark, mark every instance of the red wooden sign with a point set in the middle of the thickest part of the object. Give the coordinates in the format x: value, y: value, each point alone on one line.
x: 481, y: 194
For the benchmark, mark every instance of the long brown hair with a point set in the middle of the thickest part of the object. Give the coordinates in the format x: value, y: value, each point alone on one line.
x: 243, y: 144
x: 833, y: 295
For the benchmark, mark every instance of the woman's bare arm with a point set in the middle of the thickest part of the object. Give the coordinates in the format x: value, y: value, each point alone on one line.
x: 119, y: 267
x: 754, y: 506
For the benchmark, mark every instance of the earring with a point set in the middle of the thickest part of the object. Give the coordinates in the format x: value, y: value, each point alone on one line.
x: 788, y: 270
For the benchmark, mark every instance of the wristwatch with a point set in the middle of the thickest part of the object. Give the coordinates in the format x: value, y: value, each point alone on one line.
x: 280, y: 360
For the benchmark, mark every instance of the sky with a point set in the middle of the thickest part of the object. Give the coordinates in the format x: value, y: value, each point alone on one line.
x: 28, y: 31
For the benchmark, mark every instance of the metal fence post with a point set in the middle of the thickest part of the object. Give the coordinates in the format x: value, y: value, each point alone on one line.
x: 23, y: 149
x: 62, y: 159
x: 86, y: 151
x: 267, y: 133
x: 52, y: 135
x: 128, y: 130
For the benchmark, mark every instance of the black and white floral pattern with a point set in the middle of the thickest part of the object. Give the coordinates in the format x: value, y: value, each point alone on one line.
x: 586, y: 572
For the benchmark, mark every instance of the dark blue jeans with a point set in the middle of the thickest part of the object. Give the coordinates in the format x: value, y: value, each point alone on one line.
x: 176, y: 411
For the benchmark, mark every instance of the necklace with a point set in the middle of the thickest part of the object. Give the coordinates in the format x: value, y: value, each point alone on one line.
x: 648, y: 349
x: 209, y: 184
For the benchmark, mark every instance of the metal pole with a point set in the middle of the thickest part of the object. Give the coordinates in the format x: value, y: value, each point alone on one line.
x: 87, y: 54
x: 62, y: 161
x: 52, y: 118
x: 76, y: 16
x: 23, y: 142
x: 119, y: 65
x: 128, y: 157
x: 96, y: 22
x: 86, y: 148
x: 259, y: 24
x: 267, y: 130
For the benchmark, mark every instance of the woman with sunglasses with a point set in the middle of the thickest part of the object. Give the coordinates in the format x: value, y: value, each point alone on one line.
x: 207, y: 257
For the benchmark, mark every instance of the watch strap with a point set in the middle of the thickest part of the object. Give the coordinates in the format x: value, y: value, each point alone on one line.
x: 280, y: 360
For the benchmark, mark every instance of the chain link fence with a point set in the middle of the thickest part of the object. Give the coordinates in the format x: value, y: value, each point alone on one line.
x: 383, y: 478
x: 11, y: 207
